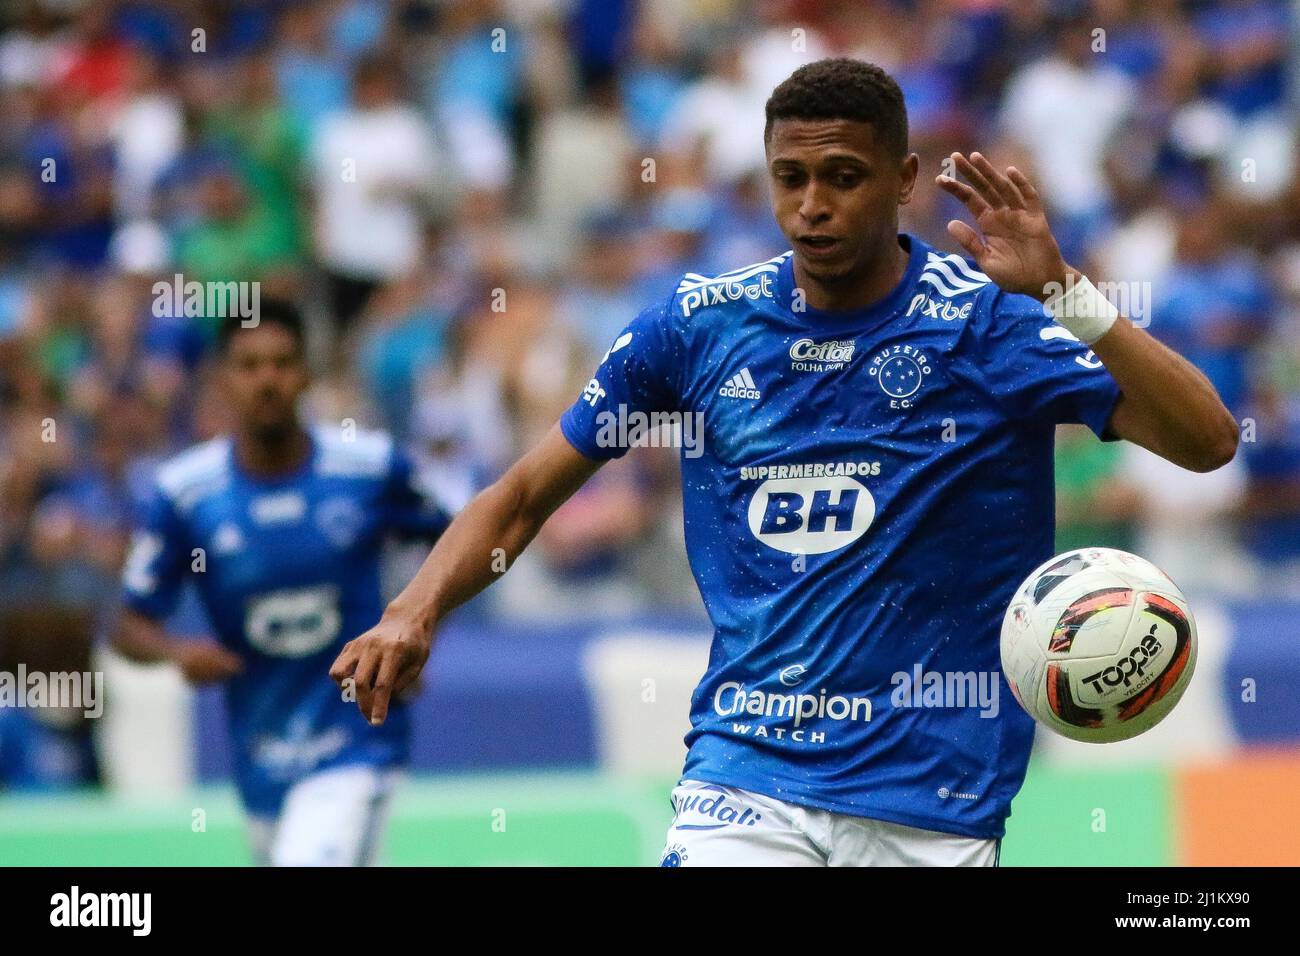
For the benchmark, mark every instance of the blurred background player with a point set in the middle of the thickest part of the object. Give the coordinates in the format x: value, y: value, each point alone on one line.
x: 279, y: 527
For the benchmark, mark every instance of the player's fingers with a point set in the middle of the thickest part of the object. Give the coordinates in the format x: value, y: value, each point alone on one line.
x: 967, y: 237
x: 969, y: 197
x: 1026, y: 188
x: 379, y: 706
x: 345, y: 663
x: 979, y: 181
x: 382, y: 690
x: 1005, y: 188
x: 385, y: 685
x: 407, y: 675
x: 364, y: 679
x: 389, y: 666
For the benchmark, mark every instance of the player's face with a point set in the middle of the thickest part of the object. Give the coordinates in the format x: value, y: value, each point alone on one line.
x: 835, y: 193
x: 264, y: 373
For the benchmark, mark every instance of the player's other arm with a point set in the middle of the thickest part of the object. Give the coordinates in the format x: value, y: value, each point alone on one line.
x: 1167, y: 405
x: 484, y: 538
x: 143, y: 639
x: 152, y: 581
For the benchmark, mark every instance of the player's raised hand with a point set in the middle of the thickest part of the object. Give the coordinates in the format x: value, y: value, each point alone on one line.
x: 1014, y: 245
x: 383, y: 661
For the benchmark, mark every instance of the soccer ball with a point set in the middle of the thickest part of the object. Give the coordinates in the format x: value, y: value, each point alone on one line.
x: 1098, y: 644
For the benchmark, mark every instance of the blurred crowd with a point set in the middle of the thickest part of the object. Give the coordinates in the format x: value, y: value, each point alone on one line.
x: 470, y: 198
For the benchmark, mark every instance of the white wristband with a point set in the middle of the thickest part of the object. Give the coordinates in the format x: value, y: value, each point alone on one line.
x: 1081, y: 308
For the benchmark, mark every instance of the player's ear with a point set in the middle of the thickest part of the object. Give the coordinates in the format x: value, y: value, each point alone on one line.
x: 907, y: 178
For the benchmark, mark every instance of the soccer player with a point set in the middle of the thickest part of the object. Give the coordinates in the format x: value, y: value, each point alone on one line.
x: 280, y: 527
x: 876, y: 480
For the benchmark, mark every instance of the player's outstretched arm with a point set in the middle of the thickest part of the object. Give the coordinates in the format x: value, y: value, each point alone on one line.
x: 201, y: 661
x: 482, y: 541
x: 1167, y: 405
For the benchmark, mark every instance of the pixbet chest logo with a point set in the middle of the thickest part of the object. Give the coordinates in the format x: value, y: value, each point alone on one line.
x: 809, y: 356
x: 810, y: 508
x: 938, y: 308
x: 723, y: 292
x: 900, y: 370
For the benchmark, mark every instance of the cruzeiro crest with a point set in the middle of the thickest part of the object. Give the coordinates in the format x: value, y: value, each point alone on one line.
x: 900, y: 370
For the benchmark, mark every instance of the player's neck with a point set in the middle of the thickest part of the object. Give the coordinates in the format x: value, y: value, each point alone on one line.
x: 854, y: 292
x: 272, y: 455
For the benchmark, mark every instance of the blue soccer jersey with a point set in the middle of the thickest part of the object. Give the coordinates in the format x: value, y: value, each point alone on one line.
x: 288, y: 572
x: 870, y: 490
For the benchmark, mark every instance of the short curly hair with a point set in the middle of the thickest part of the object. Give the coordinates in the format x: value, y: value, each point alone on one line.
x: 842, y: 88
x: 274, y: 311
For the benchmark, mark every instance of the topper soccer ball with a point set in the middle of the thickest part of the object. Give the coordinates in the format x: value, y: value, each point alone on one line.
x: 1098, y: 645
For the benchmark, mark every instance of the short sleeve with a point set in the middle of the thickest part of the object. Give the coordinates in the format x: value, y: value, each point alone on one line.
x: 639, y: 375
x: 1038, y: 371
x: 154, y: 573
x: 413, y: 507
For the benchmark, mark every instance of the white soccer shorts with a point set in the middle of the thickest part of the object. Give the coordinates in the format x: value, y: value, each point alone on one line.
x: 331, y: 818
x: 724, y: 826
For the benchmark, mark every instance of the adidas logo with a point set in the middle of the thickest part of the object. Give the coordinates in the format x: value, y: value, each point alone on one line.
x: 740, y: 385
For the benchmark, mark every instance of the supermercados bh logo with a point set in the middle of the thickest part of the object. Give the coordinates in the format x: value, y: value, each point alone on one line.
x: 722, y: 292
x: 810, y: 508
x: 901, y: 370
x: 809, y: 356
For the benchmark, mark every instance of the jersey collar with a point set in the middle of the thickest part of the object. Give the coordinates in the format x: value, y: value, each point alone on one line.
x: 307, y: 466
x: 866, y: 316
